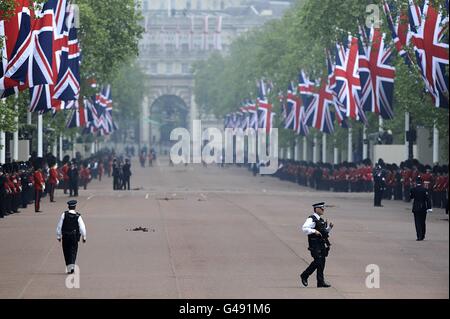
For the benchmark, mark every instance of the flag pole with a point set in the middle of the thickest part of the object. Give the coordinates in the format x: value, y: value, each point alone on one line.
x: 350, y: 146
x: 407, y: 120
x: 305, y: 148
x: 435, y: 144
x: 2, y: 140
x: 365, y: 143
x: 40, y: 149
x: 60, y: 147
x: 315, y: 150
x: 16, y: 134
x: 336, y: 154
x: 324, y: 148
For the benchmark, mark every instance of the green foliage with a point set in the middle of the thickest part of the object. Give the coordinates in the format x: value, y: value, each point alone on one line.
x: 128, y: 92
x: 109, y: 35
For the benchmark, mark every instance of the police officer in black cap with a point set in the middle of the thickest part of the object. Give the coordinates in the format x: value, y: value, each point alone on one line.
x: 70, y: 229
x: 317, y: 230
x: 421, y: 206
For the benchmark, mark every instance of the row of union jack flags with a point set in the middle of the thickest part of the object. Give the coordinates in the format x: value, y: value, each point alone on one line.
x: 41, y: 53
x: 94, y: 114
x: 360, y: 76
x: 254, y: 115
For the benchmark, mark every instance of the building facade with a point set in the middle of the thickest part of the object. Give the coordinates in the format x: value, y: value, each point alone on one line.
x: 180, y: 32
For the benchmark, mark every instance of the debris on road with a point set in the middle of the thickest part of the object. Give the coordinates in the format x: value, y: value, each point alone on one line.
x: 143, y: 229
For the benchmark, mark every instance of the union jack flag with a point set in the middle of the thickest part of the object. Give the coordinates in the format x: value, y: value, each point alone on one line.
x: 245, y: 119
x: 18, y: 45
x: 252, y: 114
x: 291, y: 109
x: 348, y: 83
x: 428, y: 27
x: 318, y: 113
x: 305, y: 89
x: 339, y: 108
x: 265, y: 114
x: 399, y: 28
x: 43, y: 96
x: 377, y: 74
x: 77, y: 117
x: 302, y: 128
x: 67, y: 87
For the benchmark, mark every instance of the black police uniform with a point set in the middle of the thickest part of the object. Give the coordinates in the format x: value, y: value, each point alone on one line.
x: 379, y: 186
x: 70, y: 237
x: 421, y: 204
x: 319, y: 247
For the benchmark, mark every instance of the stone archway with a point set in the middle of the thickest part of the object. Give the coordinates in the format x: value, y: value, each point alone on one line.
x: 179, y: 89
x: 166, y: 113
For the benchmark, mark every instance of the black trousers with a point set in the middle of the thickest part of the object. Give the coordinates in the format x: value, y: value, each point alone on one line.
x: 37, y: 200
x: 115, y: 182
x: 378, y: 196
x: 126, y: 182
x: 73, y: 188
x: 318, y: 264
x: 70, y: 249
x: 2, y: 205
x: 52, y: 192
x: 419, y: 220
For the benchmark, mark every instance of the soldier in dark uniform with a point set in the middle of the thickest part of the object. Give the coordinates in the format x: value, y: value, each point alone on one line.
x: 115, y: 174
x: 317, y: 230
x: 421, y: 206
x: 73, y: 180
x: 126, y: 170
x: 70, y: 229
x: 379, y: 181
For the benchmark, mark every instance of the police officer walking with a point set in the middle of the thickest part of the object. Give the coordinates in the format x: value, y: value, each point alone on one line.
x: 317, y: 230
x: 70, y: 229
x: 421, y: 206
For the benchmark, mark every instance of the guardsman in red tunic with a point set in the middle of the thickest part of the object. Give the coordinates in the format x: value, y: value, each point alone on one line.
x: 12, y: 193
x: 428, y: 179
x: 15, y: 178
x: 100, y: 170
x: 445, y: 190
x: 65, y: 173
x: 39, y: 187
x: 85, y: 176
x: 406, y: 181
x: 53, y: 181
x: 390, y: 184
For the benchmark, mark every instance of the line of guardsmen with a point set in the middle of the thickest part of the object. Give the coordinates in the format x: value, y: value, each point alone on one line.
x: 25, y: 183
x: 359, y: 177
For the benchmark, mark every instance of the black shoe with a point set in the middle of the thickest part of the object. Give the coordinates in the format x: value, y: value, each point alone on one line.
x: 304, y: 281
x: 323, y: 285
x: 72, y: 271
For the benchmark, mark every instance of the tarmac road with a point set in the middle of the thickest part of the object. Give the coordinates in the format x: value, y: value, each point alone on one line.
x: 220, y: 233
